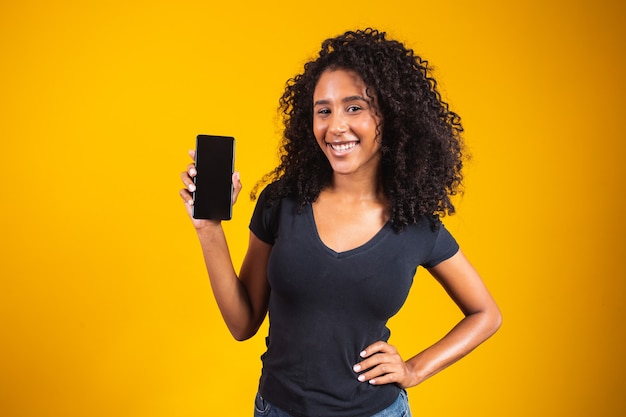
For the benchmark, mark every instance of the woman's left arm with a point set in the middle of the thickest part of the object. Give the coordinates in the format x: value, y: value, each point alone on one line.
x: 482, y: 318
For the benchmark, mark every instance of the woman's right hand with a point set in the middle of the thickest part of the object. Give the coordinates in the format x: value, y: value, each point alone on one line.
x: 187, y: 196
x: 241, y: 299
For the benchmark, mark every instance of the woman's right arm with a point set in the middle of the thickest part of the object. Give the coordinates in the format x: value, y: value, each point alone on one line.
x: 242, y: 299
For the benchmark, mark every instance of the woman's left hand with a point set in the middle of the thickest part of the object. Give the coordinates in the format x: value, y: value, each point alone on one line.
x: 383, y: 365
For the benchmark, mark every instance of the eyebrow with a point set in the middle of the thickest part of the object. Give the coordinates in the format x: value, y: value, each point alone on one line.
x: 343, y: 100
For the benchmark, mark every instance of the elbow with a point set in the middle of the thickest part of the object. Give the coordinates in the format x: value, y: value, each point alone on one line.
x: 241, y: 337
x: 242, y: 330
x: 488, y: 321
x: 243, y: 334
x: 495, y: 320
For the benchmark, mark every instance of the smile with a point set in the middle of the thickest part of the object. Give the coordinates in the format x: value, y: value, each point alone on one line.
x: 342, y: 147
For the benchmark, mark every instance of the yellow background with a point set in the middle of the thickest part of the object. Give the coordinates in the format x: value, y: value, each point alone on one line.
x: 105, y: 309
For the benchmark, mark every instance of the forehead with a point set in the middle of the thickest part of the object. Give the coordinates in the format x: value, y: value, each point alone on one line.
x: 338, y: 80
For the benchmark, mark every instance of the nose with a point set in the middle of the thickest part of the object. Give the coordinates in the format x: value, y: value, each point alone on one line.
x: 337, y: 124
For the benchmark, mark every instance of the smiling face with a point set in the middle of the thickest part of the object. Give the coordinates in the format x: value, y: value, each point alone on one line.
x: 345, y: 123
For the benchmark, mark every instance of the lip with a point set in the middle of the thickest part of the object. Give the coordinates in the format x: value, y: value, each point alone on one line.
x: 343, y: 147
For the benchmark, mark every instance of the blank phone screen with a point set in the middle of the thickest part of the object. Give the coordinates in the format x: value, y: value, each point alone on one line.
x: 214, y: 166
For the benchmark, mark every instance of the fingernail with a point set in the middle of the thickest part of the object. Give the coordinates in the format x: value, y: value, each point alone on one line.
x: 363, y: 354
x: 372, y: 381
x: 192, y: 171
x: 361, y: 378
x: 190, y: 202
x: 192, y: 187
x: 356, y: 368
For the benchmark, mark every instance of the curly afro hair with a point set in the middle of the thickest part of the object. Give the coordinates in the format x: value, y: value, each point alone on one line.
x: 422, y: 150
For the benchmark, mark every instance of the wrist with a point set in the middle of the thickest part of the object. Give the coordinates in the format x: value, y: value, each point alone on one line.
x: 208, y: 229
x: 415, y: 374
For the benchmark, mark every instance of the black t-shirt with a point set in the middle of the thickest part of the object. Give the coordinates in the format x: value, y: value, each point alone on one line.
x: 325, y: 307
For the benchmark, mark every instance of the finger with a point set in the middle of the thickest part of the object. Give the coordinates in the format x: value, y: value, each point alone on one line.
x: 188, y: 181
x: 379, y: 355
x: 191, y: 170
x: 375, y: 360
x: 390, y: 378
x: 384, y: 373
x: 192, y: 154
x: 372, y: 356
x: 237, y: 186
x: 186, y: 196
x: 377, y: 347
x: 375, y: 373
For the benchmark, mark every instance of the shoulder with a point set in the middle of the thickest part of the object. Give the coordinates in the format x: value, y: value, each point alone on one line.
x: 429, y: 240
x: 425, y: 226
x: 270, y: 208
x: 267, y: 192
x: 273, y: 195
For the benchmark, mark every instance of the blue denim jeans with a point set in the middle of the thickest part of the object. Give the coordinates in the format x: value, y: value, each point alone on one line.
x: 400, y: 408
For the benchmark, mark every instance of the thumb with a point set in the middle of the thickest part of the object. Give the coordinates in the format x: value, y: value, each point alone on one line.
x: 236, y: 186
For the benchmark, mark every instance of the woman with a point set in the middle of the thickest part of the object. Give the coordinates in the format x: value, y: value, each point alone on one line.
x: 370, y: 158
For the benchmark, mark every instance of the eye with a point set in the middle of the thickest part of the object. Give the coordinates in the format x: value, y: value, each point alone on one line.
x: 323, y: 111
x: 353, y: 108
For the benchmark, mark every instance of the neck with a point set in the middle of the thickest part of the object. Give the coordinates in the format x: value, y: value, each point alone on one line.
x: 356, y: 188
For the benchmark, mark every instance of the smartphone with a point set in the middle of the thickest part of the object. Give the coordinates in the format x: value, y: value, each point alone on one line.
x: 215, y: 158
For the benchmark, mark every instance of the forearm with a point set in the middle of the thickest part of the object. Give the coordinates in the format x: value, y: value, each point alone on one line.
x: 229, y: 291
x: 462, y: 339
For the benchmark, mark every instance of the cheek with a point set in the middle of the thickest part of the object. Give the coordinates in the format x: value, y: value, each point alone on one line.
x: 365, y: 128
x: 319, y: 131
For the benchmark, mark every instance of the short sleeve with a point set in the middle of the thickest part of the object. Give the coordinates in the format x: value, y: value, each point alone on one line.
x: 264, y: 222
x: 444, y: 248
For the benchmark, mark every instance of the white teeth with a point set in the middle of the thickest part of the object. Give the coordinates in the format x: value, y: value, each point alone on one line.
x: 342, y: 147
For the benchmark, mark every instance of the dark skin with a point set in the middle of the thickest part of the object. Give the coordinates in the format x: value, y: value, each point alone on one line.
x: 347, y: 214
